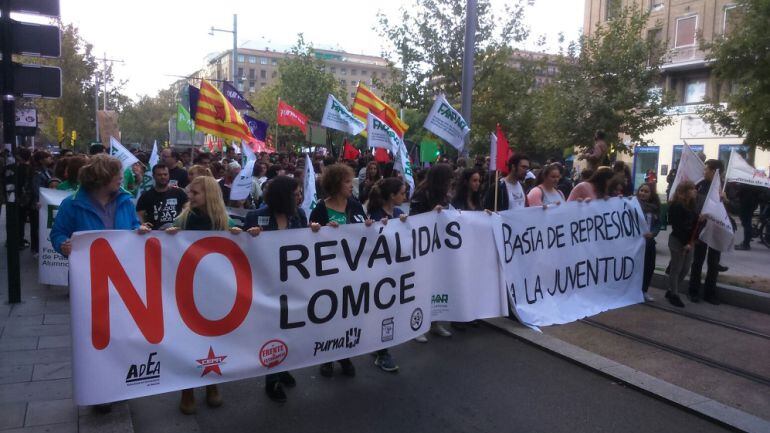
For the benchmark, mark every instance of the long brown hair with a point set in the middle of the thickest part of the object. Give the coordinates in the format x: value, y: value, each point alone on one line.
x: 215, y: 205
x: 681, y: 196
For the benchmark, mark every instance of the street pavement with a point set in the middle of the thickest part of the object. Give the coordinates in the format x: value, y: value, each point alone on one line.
x: 480, y: 380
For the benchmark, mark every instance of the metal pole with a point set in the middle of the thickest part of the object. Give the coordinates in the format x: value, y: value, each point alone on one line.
x: 104, y: 78
x: 471, y: 21
x: 12, y: 218
x: 96, y: 109
x: 235, y: 48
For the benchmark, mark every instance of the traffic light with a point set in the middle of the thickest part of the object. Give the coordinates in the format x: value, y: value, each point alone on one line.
x: 74, y: 137
x: 60, y: 130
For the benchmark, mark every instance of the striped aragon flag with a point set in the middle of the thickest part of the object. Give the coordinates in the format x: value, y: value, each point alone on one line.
x: 366, y: 101
x: 217, y: 116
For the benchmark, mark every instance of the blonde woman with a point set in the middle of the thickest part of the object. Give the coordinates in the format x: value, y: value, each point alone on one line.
x: 205, y: 210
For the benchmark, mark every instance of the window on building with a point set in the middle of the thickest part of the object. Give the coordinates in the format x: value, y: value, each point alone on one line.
x: 263, y: 74
x: 240, y: 86
x: 263, y: 60
x: 614, y: 7
x: 240, y: 74
x: 364, y: 72
x: 655, y: 38
x: 343, y: 83
x: 656, y: 5
x: 353, y: 72
x: 274, y: 74
x: 695, y: 91
x: 685, y: 31
x: 274, y: 62
x: 252, y: 74
x: 252, y: 87
x: 253, y: 59
x: 343, y: 71
x: 241, y: 58
x: 729, y: 20
x: 333, y: 70
x: 262, y: 84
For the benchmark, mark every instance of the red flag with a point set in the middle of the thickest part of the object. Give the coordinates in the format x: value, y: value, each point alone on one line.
x: 289, y: 116
x: 503, y: 153
x: 350, y: 153
x: 381, y: 155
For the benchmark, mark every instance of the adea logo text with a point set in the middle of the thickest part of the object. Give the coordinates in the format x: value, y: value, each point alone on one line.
x: 146, y: 374
x: 350, y: 340
x: 273, y: 353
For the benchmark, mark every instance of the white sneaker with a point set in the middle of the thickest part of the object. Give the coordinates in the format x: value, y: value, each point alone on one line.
x: 440, y: 330
x: 648, y: 298
x: 421, y: 339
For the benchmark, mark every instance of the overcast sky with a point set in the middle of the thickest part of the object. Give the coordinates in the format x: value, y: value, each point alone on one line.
x: 161, y: 38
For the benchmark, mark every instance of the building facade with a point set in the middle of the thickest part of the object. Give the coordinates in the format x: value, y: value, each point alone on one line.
x: 257, y: 69
x: 686, y: 73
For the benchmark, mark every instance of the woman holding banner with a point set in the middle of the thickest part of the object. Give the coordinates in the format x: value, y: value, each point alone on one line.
x: 205, y: 210
x: 468, y: 190
x: 432, y: 194
x: 338, y: 208
x: 682, y: 217
x: 385, y: 197
x: 595, y: 187
x: 545, y: 193
x: 280, y: 213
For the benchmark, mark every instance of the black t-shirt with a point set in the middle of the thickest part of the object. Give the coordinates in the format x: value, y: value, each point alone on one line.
x: 179, y: 175
x: 161, y: 207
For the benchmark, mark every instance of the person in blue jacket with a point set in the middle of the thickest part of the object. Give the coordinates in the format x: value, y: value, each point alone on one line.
x: 98, y: 204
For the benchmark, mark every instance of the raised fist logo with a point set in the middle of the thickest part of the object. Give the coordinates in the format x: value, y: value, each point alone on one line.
x: 352, y: 337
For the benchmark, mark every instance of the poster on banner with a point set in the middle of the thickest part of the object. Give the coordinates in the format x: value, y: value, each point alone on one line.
x: 151, y: 307
x: 446, y: 122
x: 738, y: 170
x: 574, y: 260
x: 380, y: 135
x: 52, y: 266
x: 336, y: 116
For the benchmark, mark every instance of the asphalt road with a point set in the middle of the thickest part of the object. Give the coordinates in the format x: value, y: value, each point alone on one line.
x: 477, y: 381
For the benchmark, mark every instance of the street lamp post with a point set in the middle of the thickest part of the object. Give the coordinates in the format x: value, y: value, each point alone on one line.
x: 234, y: 31
x: 471, y: 19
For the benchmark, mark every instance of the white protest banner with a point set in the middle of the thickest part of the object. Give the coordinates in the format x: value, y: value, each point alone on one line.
x: 718, y: 231
x: 446, y: 122
x: 126, y: 158
x: 241, y: 187
x: 159, y: 313
x: 248, y: 152
x: 404, y: 166
x: 311, y: 197
x: 690, y: 168
x: 52, y: 266
x: 571, y: 261
x: 336, y: 116
x: 738, y: 170
x: 379, y: 134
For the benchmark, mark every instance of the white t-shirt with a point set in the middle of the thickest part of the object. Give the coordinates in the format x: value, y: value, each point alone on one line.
x: 516, y: 198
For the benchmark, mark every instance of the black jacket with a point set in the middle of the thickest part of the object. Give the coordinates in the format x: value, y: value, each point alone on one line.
x: 353, y: 210
x: 502, y: 197
x: 264, y: 219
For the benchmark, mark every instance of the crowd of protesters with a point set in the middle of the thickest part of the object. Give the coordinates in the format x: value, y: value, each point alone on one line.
x: 191, y: 191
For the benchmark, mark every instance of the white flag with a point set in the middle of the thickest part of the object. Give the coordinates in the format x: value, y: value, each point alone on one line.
x: 147, y: 180
x: 336, y: 116
x: 690, y: 168
x: 404, y: 166
x: 154, y: 156
x: 379, y: 134
x: 241, y: 187
x: 310, y: 200
x: 126, y: 158
x: 718, y: 232
x: 248, y: 152
x: 492, y: 152
x: 738, y: 170
x: 446, y: 122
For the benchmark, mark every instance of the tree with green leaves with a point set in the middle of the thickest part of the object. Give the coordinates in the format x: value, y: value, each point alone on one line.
x: 605, y: 82
x: 742, y: 59
x: 426, y: 41
x: 147, y: 119
x: 303, y: 83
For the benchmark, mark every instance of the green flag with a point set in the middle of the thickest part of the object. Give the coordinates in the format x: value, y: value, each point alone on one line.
x: 183, y: 121
x: 429, y: 150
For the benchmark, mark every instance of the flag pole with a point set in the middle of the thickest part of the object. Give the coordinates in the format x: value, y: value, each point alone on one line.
x: 497, y: 186
x: 276, y: 127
